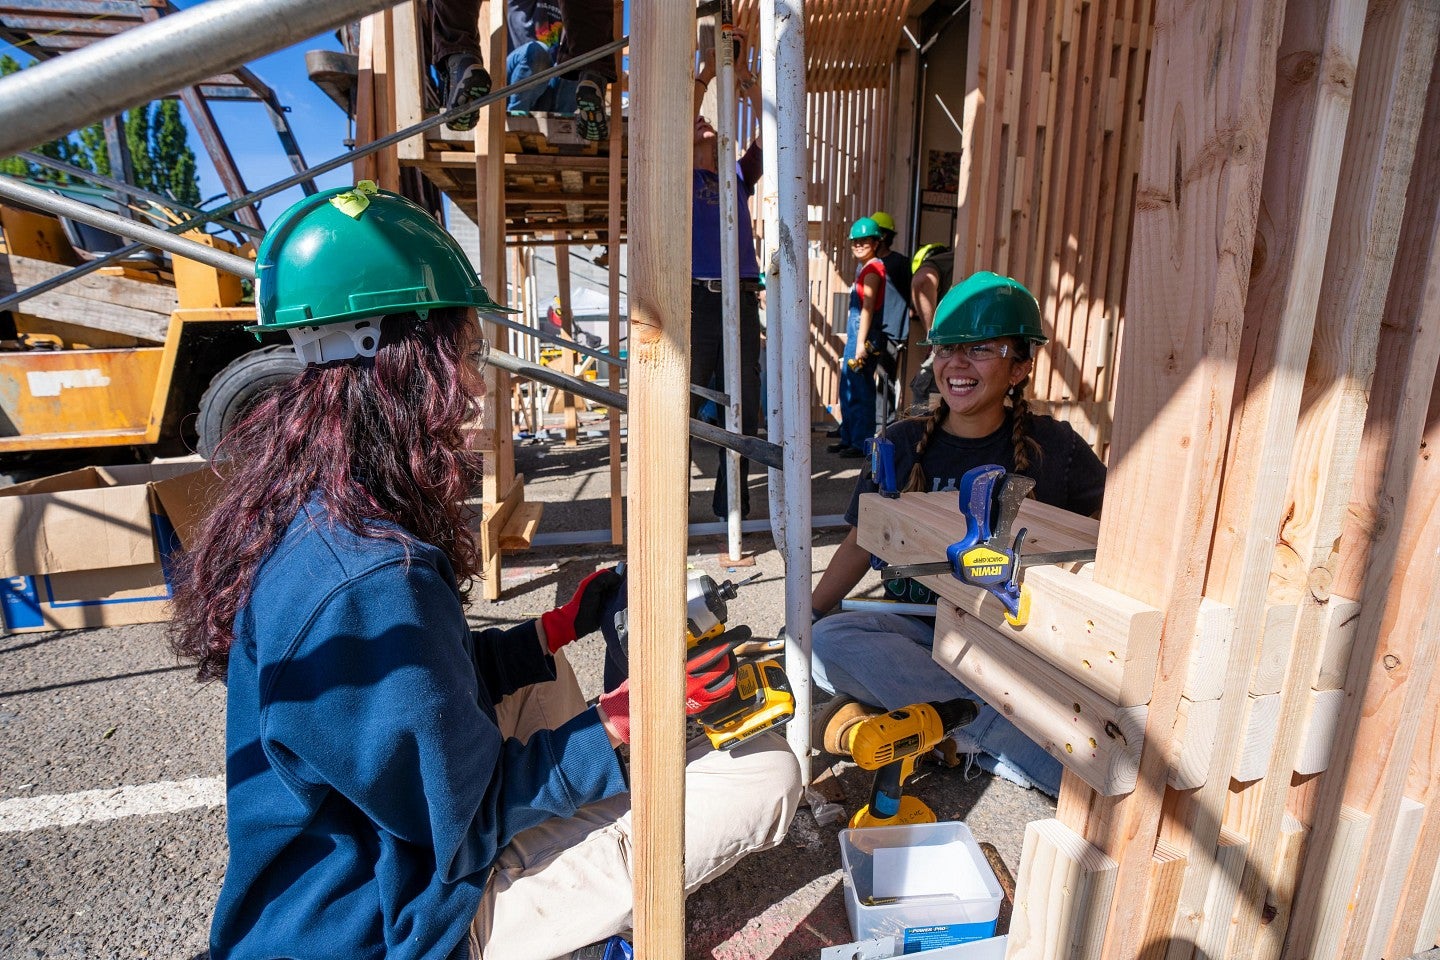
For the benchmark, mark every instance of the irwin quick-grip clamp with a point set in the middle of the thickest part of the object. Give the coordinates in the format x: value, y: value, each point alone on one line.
x: 988, y: 557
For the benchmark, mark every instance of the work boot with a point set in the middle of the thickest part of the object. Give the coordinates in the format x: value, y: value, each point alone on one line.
x: 833, y: 722
x: 590, y: 110
x: 463, y: 78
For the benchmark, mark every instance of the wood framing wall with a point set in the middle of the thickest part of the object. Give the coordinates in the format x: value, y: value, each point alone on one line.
x: 1051, y: 144
x: 850, y: 51
x: 1286, y: 250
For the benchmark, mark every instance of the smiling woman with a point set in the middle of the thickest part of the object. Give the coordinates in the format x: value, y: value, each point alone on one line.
x: 982, y: 335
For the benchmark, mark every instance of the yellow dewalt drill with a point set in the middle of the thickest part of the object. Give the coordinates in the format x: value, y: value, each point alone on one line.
x: 890, y: 744
x: 762, y: 697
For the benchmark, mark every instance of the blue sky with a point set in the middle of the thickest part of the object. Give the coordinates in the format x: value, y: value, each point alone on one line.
x: 320, y: 126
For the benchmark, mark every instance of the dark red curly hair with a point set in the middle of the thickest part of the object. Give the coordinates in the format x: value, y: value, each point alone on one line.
x: 377, y: 440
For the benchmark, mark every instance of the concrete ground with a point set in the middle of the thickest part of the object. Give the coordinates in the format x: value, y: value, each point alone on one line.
x: 112, y: 822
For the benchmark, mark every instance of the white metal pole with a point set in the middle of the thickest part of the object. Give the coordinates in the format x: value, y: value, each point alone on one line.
x: 787, y: 300
x: 725, y: 123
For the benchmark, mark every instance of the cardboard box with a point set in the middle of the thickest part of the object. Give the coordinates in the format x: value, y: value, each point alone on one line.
x: 91, y: 547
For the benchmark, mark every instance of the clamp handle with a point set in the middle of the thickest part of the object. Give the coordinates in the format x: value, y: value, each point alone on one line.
x: 977, y: 502
x: 882, y: 465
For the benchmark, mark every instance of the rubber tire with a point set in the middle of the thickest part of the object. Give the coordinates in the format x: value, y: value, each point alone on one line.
x: 234, y: 389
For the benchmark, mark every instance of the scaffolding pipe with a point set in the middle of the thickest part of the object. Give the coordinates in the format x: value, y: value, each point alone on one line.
x: 600, y: 355
x: 725, y: 123
x: 761, y: 451
x: 150, y: 61
x: 343, y: 159
x: 14, y: 190
x: 787, y: 302
x: 132, y: 191
x: 754, y: 448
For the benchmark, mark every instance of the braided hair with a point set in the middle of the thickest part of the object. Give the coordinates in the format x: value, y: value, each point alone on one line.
x: 1025, y: 445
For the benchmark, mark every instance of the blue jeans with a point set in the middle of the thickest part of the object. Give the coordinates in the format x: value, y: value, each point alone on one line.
x: 883, y: 659
x: 557, y: 96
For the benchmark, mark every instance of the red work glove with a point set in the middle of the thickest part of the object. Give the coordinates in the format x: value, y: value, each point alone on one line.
x: 709, y: 678
x: 581, y: 615
x: 709, y: 674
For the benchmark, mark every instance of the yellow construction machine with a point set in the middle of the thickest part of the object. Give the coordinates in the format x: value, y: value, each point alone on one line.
x: 146, y: 358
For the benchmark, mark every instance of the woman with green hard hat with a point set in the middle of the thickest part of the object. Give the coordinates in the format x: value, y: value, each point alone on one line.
x: 982, y: 337
x: 398, y: 784
x: 864, y: 340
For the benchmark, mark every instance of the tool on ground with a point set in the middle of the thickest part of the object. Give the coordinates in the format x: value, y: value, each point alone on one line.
x: 762, y: 697
x: 988, y: 557
x: 891, y: 744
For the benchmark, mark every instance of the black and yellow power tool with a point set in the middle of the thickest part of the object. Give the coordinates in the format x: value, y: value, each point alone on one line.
x: 891, y: 744
x: 762, y: 699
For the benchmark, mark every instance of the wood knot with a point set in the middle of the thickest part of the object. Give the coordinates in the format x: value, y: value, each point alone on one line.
x: 1391, y: 661
x: 1299, y: 68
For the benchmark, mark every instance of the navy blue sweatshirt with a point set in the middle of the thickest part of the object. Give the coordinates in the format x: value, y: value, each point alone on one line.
x: 368, y: 787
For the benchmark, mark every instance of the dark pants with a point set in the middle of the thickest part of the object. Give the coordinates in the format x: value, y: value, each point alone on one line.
x: 587, y: 24
x: 707, y: 360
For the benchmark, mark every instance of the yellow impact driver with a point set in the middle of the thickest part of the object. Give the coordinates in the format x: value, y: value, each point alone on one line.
x: 890, y: 744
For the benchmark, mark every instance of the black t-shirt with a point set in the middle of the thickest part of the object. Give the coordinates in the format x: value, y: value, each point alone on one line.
x: 896, y: 320
x: 1066, y: 472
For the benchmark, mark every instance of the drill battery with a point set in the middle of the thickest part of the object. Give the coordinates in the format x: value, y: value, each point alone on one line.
x: 761, y: 700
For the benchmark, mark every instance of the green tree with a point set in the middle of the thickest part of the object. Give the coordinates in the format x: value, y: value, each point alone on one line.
x: 137, y: 140
x: 82, y: 152
x: 155, y: 135
x: 97, y: 148
x: 12, y: 166
x: 174, y: 161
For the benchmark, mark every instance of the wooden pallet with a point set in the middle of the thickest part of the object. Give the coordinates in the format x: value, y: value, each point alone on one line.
x: 555, y: 180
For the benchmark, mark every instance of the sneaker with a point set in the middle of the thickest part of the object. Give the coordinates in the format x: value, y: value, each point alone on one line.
x: 840, y: 447
x: 464, y: 79
x: 590, y: 111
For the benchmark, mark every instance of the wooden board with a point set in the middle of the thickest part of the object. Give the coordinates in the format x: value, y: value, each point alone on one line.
x: 1318, y: 740
x: 132, y: 308
x: 1089, y: 735
x: 1212, y: 925
x: 1344, y: 445
x: 1061, y: 897
x: 1335, y: 884
x: 1392, y: 877
x: 1101, y: 637
x: 1210, y: 87
x: 519, y: 532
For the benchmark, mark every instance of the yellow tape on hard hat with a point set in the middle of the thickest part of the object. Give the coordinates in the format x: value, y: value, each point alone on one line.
x: 352, y: 203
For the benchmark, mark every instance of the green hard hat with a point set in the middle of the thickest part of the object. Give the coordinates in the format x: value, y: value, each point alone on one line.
x: 865, y: 229
x: 883, y: 220
x: 983, y: 307
x: 346, y: 254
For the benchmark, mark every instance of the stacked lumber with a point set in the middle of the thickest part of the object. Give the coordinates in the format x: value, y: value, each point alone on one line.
x: 1271, y: 517
x: 1051, y: 138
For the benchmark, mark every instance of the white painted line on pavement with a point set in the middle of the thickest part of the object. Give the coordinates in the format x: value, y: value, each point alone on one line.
x: 67, y: 810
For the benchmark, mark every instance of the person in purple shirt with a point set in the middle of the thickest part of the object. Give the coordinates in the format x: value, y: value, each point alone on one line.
x: 707, y: 324
x: 398, y: 784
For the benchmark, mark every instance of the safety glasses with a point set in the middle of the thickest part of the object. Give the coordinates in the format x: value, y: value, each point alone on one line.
x: 975, y: 352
